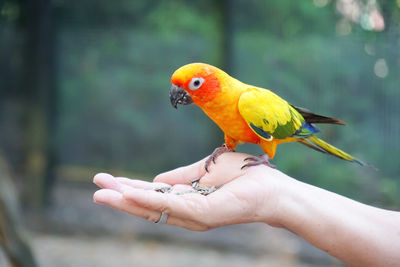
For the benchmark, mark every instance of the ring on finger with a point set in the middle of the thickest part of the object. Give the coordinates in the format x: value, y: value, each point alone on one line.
x: 163, y: 218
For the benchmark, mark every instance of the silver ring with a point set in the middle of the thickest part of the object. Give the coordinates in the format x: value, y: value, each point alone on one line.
x: 163, y: 218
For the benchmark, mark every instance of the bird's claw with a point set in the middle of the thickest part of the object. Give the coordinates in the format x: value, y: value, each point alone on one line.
x: 254, y: 161
x: 216, y: 153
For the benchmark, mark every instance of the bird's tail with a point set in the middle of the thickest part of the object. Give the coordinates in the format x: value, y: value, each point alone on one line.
x: 322, y: 146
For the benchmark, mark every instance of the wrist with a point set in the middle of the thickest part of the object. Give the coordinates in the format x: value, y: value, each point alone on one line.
x: 277, y: 191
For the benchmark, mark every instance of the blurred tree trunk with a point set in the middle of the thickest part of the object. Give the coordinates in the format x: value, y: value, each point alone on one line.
x: 12, y: 237
x: 39, y: 96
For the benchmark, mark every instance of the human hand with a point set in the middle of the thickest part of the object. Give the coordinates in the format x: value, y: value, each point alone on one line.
x: 345, y: 228
x: 248, y: 195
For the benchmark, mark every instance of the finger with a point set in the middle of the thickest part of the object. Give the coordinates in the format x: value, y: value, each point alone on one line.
x: 182, y: 175
x: 126, y: 182
x: 108, y: 181
x: 188, y: 206
x: 107, y: 196
x: 115, y: 200
x: 105, y: 180
x: 140, y: 184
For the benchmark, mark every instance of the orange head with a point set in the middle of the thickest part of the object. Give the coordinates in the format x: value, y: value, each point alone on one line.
x: 194, y: 83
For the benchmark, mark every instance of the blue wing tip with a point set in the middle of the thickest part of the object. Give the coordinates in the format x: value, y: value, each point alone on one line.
x: 309, y: 130
x: 260, y: 131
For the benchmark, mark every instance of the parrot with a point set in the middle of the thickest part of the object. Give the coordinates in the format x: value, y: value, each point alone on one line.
x: 249, y: 114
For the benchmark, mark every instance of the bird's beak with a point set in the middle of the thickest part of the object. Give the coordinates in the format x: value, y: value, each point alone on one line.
x: 179, y: 96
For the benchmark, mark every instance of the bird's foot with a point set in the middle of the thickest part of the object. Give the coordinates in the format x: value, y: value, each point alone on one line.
x: 216, y: 153
x: 254, y: 161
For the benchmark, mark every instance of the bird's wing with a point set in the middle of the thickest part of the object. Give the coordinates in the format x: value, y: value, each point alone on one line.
x: 269, y: 116
x: 311, y: 117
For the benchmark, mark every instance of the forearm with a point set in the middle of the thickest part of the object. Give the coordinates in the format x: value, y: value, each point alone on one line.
x: 351, y: 231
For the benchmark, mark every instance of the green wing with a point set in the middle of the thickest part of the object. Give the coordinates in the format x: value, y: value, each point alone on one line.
x: 268, y: 115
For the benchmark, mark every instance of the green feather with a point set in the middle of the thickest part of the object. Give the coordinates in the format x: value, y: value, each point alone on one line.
x: 288, y: 129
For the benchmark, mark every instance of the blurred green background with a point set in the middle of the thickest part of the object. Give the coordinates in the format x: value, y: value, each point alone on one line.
x: 85, y: 84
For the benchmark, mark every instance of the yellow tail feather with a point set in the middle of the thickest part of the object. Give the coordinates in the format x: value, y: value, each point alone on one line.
x: 324, y: 147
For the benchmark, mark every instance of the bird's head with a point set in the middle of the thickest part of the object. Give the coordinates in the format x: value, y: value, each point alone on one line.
x: 196, y: 83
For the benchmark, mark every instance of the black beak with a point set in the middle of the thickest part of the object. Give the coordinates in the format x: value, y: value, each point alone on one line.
x: 179, y: 96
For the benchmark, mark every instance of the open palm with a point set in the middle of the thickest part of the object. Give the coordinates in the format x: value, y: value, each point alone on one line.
x: 246, y: 195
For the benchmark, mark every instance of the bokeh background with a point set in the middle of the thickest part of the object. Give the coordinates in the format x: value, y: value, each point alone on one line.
x: 84, y: 89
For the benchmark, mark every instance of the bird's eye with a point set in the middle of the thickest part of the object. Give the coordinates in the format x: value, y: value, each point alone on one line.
x: 195, y: 83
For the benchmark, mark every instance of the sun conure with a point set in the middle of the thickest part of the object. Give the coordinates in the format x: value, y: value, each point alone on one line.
x: 247, y: 113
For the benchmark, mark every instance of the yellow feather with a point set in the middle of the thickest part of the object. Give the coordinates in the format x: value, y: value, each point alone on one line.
x: 265, y: 109
x: 250, y: 114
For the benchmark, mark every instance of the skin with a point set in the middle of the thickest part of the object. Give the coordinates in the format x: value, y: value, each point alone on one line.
x: 357, y: 234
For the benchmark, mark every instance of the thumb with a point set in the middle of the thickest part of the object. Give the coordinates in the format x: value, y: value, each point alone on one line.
x: 182, y: 175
